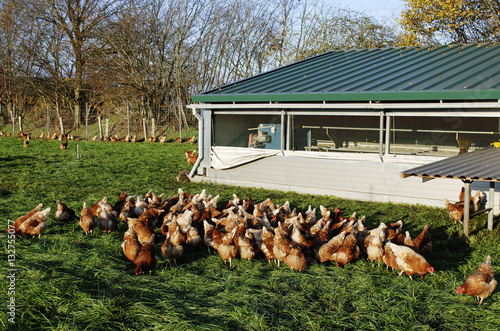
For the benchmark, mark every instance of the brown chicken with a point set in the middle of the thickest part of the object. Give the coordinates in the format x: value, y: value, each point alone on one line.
x: 146, y: 259
x: 267, y: 245
x: 107, y: 217
x: 93, y: 209
x: 128, y: 209
x: 247, y: 245
x: 144, y: 233
x: 348, y: 251
x: 23, y: 218
x: 122, y: 198
x: 173, y: 246
x: 226, y: 248
x: 407, y: 260
x: 296, y: 258
x: 64, y: 213
x: 281, y: 245
x: 374, y: 243
x: 142, y: 254
x: 423, y: 241
x: 481, y: 283
x: 34, y: 225
x: 393, y: 229
x: 87, y: 221
x: 64, y: 145
x: 456, y: 210
x: 191, y: 139
x: 191, y: 157
x: 327, y: 250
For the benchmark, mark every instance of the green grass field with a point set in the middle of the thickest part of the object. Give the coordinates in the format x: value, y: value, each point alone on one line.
x: 67, y: 280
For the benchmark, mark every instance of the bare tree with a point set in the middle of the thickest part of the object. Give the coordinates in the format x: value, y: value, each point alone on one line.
x: 16, y: 55
x: 78, y: 20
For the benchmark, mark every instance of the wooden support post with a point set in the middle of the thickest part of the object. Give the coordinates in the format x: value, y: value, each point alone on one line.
x: 107, y: 127
x: 20, y: 123
x: 144, y: 125
x: 62, y: 126
x: 100, y: 127
x: 491, y: 203
x: 466, y: 207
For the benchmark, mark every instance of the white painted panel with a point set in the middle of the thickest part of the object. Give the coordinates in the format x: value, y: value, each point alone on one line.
x: 357, y: 180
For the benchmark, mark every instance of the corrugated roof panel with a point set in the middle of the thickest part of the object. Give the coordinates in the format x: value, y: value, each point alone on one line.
x: 410, y: 74
x: 481, y: 164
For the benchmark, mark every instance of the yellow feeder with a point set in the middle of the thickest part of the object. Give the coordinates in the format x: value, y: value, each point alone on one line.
x: 496, y: 144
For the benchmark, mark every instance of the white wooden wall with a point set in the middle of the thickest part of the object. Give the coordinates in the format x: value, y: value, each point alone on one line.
x: 351, y: 179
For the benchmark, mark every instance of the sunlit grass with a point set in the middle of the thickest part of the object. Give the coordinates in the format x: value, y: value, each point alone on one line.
x: 67, y: 280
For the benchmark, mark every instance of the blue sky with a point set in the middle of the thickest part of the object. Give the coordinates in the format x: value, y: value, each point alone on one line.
x: 378, y: 8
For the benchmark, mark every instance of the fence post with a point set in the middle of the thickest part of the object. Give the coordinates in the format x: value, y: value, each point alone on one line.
x: 62, y: 126
x: 48, y: 120
x: 128, y: 120
x: 13, y: 117
x: 20, y: 123
x: 180, y: 122
x: 153, y: 128
x: 100, y: 127
x: 107, y: 127
x: 145, y: 128
x: 86, y: 121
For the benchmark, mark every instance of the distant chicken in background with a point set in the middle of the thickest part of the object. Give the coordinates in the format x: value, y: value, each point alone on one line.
x: 87, y: 221
x: 481, y: 283
x: 64, y: 213
x: 64, y: 145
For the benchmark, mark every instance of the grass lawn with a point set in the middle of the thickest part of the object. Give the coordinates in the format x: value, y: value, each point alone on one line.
x: 67, y: 280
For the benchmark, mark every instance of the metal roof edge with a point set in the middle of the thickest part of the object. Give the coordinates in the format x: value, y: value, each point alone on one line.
x: 355, y: 96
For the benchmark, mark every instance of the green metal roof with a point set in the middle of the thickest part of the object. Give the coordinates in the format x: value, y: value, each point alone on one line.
x: 454, y: 72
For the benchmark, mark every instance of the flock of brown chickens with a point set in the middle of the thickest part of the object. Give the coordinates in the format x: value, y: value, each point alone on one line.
x: 247, y: 230
x: 128, y: 138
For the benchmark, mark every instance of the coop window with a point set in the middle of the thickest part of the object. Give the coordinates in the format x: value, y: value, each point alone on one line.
x: 247, y: 130
x: 329, y: 132
x: 440, y: 135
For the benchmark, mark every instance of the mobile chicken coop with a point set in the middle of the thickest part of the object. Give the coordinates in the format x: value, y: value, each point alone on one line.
x: 347, y: 123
